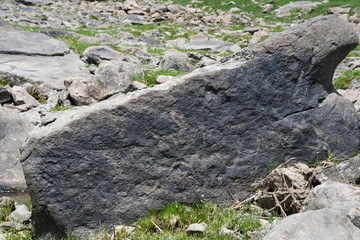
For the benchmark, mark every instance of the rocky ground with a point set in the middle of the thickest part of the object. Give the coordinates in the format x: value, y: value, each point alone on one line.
x: 56, y: 55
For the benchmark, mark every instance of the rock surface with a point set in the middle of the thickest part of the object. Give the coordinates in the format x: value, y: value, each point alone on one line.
x: 217, y: 128
x: 14, y: 131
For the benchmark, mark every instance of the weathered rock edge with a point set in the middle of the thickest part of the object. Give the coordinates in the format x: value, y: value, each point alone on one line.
x: 215, y: 129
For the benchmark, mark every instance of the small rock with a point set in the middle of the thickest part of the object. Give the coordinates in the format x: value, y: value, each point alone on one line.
x: 196, y: 228
x: 338, y: 10
x: 119, y: 229
x: 12, y: 226
x: 21, y: 214
x: 176, y: 60
x: 5, y: 95
x: 98, y: 54
x: 22, y: 97
x: 163, y: 79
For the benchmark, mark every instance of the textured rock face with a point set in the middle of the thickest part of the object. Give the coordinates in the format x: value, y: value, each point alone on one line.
x: 13, y: 132
x: 214, y: 129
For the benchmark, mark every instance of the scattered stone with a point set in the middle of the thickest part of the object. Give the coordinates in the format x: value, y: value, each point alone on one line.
x: 214, y: 45
x: 338, y: 10
x: 11, y: 226
x: 98, y: 54
x: 135, y: 19
x: 163, y: 79
x: 21, y: 214
x: 34, y: 2
x: 196, y: 228
x: 176, y: 60
x: 22, y: 97
x: 285, y: 11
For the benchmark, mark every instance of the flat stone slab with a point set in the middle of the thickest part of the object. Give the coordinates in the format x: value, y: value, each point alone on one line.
x: 51, y: 71
x: 14, y: 41
x: 215, y: 45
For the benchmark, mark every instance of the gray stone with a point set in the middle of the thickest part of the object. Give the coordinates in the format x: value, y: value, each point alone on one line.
x: 325, y: 224
x: 347, y: 171
x: 34, y: 2
x: 218, y: 127
x: 176, y: 60
x: 330, y: 193
x: 5, y: 95
x: 214, y: 45
x: 196, y: 228
x: 22, y: 97
x: 135, y: 19
x: 98, y: 54
x: 285, y: 11
x: 12, y: 41
x: 18, y: 69
x: 21, y: 214
x: 338, y: 10
x: 14, y: 131
x: 111, y: 77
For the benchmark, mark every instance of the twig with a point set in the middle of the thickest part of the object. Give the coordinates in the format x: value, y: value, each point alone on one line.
x: 232, y: 195
x: 193, y: 188
x: 157, y: 227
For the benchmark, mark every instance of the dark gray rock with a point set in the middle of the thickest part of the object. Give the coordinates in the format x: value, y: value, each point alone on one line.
x: 216, y: 128
x: 34, y: 2
x: 5, y: 95
x: 13, y: 132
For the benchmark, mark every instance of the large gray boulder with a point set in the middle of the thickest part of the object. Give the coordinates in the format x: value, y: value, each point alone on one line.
x: 210, y: 131
x: 13, y: 132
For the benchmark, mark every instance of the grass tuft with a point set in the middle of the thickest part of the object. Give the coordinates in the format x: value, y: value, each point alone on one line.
x: 345, y: 79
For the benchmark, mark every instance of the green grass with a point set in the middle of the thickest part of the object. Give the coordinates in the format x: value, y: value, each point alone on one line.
x: 149, y: 78
x: 345, y: 79
x: 74, y: 44
x: 174, y: 218
x: 59, y: 108
x: 3, y: 83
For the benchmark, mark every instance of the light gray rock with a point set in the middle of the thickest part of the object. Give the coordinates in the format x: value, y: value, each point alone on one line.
x: 176, y: 60
x: 214, y: 45
x: 325, y: 224
x: 135, y: 19
x: 12, y: 41
x: 346, y: 171
x: 22, y: 97
x: 14, y: 131
x: 111, y: 77
x: 218, y: 127
x: 338, y: 10
x: 21, y: 214
x: 285, y: 11
x: 98, y: 54
x: 18, y: 69
x: 330, y: 193
x: 196, y: 228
